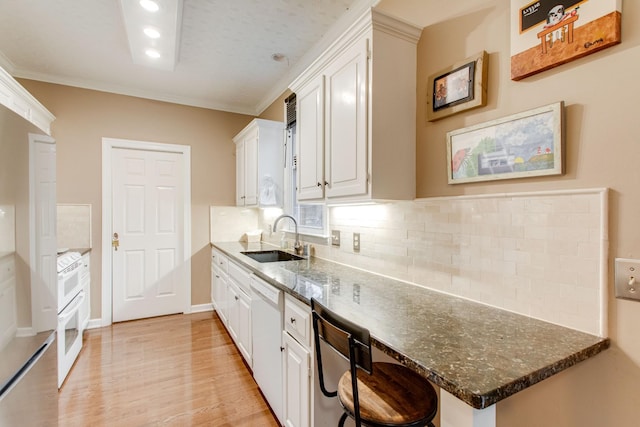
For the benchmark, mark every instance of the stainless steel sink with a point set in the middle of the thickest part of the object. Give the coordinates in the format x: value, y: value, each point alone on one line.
x: 271, y: 256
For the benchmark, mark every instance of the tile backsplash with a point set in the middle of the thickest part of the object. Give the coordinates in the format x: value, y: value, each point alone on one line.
x: 543, y: 255
x: 229, y: 223
x: 74, y: 225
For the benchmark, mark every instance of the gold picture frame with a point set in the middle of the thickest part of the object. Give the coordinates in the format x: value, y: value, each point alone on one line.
x: 458, y: 88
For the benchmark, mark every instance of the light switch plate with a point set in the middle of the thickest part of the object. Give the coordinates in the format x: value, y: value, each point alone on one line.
x: 627, y: 283
x: 356, y: 242
x: 335, y: 237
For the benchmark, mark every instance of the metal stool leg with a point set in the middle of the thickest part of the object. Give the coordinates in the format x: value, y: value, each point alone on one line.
x: 343, y: 418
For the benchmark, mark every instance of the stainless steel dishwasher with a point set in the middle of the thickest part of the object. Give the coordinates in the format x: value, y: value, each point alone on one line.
x: 267, y: 308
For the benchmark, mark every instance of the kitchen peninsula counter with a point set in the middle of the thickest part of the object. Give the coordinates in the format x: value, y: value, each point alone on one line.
x: 477, y: 353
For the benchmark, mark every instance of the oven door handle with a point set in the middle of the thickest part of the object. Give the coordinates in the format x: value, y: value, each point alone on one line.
x: 71, y: 310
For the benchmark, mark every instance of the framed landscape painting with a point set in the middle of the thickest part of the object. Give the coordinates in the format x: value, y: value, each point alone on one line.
x: 548, y: 33
x: 522, y: 145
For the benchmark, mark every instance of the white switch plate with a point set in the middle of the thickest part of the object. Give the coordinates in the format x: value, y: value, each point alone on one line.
x: 627, y: 280
x: 356, y: 242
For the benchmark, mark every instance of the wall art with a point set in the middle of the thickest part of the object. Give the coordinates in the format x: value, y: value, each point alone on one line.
x: 521, y: 145
x: 548, y: 33
x: 457, y: 88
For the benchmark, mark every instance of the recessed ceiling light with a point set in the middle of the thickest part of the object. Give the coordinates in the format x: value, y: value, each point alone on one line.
x: 152, y: 53
x: 149, y: 5
x: 159, y: 31
x: 152, y: 33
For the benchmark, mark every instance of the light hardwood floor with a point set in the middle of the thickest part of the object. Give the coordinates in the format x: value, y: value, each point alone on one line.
x: 180, y: 370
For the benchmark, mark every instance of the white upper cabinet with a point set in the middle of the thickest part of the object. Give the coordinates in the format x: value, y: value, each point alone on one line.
x: 346, y: 123
x: 357, y: 115
x: 19, y: 100
x: 260, y: 163
x: 310, y: 131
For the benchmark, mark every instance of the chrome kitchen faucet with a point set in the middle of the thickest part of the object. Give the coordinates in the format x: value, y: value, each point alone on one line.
x: 297, y: 247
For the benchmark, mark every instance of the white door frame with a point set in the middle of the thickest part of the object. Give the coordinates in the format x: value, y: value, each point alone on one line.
x: 108, y: 144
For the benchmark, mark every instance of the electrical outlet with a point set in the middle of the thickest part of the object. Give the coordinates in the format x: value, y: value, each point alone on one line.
x: 335, y: 237
x: 356, y: 242
x: 627, y: 281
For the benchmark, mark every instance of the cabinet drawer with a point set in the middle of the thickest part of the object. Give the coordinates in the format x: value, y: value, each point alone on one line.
x: 220, y: 260
x: 240, y: 276
x: 297, y: 320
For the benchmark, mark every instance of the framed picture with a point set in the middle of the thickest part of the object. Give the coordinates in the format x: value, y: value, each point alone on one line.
x: 458, y: 88
x: 548, y: 33
x: 518, y: 146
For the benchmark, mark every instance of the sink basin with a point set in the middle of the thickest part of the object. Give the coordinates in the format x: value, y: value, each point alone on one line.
x: 272, y: 256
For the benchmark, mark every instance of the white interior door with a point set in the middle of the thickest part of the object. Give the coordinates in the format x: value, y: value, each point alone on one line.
x: 43, y: 232
x: 148, y: 264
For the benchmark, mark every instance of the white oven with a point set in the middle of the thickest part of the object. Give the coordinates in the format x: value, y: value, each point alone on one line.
x: 69, y: 285
x: 69, y: 336
x: 70, y: 299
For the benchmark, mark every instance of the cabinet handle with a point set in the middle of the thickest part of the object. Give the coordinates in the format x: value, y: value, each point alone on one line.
x: 237, y: 298
x: 319, y: 184
x: 292, y: 320
x: 217, y: 277
x: 326, y: 183
x: 281, y: 348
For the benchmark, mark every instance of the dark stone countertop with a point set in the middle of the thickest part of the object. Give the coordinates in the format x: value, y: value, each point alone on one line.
x: 478, y: 353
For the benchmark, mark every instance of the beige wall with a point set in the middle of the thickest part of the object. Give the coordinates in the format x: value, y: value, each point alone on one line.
x: 84, y: 117
x: 601, y: 93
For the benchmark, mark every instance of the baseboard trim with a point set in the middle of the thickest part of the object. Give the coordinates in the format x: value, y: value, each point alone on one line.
x: 199, y: 308
x: 94, y: 323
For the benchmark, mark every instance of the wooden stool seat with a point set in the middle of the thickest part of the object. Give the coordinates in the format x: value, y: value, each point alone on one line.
x: 392, y: 395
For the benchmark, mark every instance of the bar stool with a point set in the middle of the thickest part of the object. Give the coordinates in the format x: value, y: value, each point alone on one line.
x: 373, y: 394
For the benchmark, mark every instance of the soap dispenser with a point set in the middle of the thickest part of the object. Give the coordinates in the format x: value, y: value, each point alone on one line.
x: 283, y: 241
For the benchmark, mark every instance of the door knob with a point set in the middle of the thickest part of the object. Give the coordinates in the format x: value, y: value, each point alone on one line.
x: 115, y: 241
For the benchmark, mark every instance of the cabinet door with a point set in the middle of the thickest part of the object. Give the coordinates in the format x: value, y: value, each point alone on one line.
x: 240, y: 162
x: 310, y: 140
x: 233, y: 313
x: 346, y: 122
x: 215, y: 285
x: 244, y: 326
x: 251, y: 169
x: 221, y: 297
x: 296, y: 383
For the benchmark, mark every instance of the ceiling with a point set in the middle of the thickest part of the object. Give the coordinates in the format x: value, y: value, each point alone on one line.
x: 225, y: 52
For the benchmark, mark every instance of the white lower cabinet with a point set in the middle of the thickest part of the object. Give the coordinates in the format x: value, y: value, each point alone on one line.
x: 8, y: 313
x: 297, y: 382
x: 219, y: 280
x: 297, y: 364
x: 239, y: 320
x: 239, y: 310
